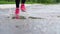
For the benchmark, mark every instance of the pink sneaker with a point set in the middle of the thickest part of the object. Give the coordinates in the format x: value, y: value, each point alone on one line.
x: 16, y: 13
x: 23, y: 8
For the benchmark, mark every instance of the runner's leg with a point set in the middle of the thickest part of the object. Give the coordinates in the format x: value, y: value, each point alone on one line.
x: 17, y: 8
x: 23, y: 1
x: 17, y: 3
x: 23, y: 8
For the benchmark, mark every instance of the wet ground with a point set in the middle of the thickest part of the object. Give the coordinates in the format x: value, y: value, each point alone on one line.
x: 45, y: 19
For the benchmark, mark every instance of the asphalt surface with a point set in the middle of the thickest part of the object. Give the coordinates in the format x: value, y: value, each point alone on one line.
x: 49, y: 22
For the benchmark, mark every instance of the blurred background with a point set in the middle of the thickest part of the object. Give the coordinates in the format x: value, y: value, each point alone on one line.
x: 31, y: 1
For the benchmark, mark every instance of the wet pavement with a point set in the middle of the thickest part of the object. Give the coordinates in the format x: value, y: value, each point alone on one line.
x: 48, y: 24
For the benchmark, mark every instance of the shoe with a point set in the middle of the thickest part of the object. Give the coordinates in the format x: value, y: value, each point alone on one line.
x: 23, y: 8
x: 17, y: 13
